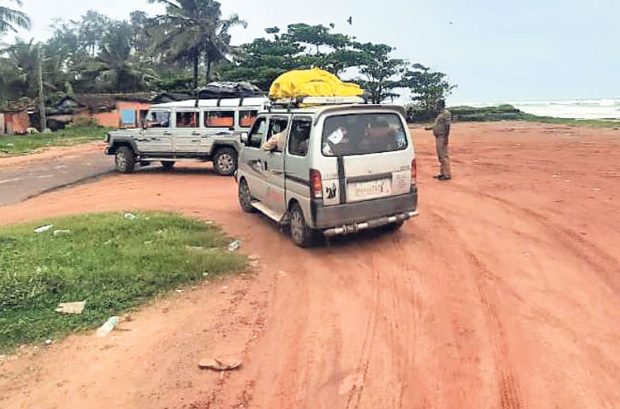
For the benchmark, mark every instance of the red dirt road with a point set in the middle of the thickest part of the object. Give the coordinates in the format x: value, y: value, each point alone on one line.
x: 504, y: 293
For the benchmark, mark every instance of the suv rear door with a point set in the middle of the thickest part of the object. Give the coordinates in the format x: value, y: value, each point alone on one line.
x: 187, y: 133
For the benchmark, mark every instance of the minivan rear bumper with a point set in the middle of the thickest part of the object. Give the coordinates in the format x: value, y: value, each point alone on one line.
x: 402, y: 207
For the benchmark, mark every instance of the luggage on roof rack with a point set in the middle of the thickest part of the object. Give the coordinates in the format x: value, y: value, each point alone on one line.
x: 300, y: 85
x: 217, y: 90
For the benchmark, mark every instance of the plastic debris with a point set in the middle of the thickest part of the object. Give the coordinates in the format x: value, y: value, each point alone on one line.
x: 71, y: 307
x: 108, y: 326
x: 43, y: 229
x: 130, y: 216
x: 58, y: 233
x: 220, y: 364
x: 234, y: 246
x: 48, y: 342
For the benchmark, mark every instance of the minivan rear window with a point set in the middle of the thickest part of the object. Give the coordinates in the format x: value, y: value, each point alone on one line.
x: 361, y: 134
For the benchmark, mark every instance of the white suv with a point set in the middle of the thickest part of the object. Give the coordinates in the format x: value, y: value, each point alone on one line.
x: 339, y: 169
x: 187, y: 131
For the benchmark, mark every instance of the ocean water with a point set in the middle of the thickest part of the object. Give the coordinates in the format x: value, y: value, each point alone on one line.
x: 573, y: 108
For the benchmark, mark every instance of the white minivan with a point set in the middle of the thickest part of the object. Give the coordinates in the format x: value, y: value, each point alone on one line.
x: 339, y: 169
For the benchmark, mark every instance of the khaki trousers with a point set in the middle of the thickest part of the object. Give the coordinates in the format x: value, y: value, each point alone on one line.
x: 443, y: 155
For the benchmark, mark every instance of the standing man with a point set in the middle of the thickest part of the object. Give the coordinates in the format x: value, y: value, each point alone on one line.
x: 441, y: 130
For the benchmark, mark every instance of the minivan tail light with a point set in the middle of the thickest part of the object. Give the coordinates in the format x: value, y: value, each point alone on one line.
x: 316, y: 184
x: 414, y: 172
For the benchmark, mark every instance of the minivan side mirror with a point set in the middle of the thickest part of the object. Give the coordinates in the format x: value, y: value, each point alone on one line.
x: 244, y: 138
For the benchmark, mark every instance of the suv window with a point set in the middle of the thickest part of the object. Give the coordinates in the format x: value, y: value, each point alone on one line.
x: 247, y: 118
x: 300, y: 137
x: 277, y: 128
x: 255, y: 136
x: 187, y: 119
x: 360, y: 134
x: 158, y: 119
x: 220, y: 119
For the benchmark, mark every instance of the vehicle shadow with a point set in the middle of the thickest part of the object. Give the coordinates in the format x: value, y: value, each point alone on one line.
x: 208, y: 171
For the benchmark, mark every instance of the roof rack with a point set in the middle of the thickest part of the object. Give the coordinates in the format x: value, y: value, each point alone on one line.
x: 291, y: 103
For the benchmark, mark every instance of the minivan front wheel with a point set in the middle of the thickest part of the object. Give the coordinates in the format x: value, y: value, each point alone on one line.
x: 245, y: 197
x: 225, y: 162
x: 125, y: 160
x: 301, y: 234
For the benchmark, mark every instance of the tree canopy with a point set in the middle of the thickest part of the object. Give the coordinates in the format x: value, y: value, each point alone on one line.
x: 190, y: 45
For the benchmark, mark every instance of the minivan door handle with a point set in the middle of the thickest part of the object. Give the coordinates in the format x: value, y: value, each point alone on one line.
x: 168, y: 133
x: 196, y: 133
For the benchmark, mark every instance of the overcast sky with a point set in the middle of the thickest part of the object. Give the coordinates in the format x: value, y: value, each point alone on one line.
x: 493, y: 50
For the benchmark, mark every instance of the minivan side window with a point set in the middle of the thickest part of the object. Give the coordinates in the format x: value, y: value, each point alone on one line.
x: 300, y: 137
x: 277, y: 128
x: 247, y: 118
x: 220, y: 119
x: 158, y: 119
x: 255, y: 136
x: 187, y: 119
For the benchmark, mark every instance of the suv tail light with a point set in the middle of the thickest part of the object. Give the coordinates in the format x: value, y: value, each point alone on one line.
x: 414, y: 172
x: 316, y: 184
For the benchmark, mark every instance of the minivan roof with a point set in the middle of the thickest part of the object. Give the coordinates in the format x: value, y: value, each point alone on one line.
x: 259, y: 102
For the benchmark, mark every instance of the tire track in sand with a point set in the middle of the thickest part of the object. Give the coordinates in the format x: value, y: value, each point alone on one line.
x: 355, y: 396
x: 509, y: 394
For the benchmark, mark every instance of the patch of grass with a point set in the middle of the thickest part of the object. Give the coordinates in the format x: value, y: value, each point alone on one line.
x: 510, y: 113
x: 18, y: 145
x: 112, y: 263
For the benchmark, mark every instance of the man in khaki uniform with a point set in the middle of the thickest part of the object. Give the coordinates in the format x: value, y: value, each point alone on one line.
x: 441, y: 130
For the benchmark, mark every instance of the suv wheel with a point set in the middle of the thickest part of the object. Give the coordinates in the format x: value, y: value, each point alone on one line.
x: 168, y: 165
x: 301, y: 234
x: 125, y: 160
x: 245, y: 197
x: 225, y: 162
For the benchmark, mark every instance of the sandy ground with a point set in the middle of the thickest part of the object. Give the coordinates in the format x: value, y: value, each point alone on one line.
x: 502, y: 294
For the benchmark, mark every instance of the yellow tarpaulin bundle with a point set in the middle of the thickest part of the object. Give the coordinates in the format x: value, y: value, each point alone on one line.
x: 311, y: 83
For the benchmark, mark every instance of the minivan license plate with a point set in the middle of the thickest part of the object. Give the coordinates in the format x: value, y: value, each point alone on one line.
x: 369, y: 190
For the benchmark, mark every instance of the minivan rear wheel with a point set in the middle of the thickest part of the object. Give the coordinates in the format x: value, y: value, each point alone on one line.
x: 301, y: 234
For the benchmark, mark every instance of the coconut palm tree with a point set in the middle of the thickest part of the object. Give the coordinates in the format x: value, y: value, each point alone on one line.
x: 192, y: 29
x: 115, y: 69
x: 11, y: 19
